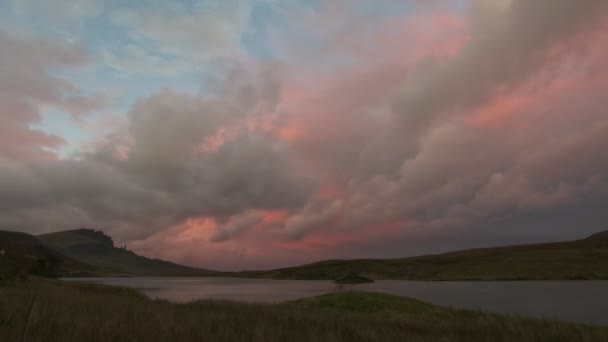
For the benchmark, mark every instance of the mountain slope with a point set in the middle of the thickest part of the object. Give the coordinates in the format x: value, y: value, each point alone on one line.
x: 580, y: 259
x: 22, y: 254
x: 97, y: 249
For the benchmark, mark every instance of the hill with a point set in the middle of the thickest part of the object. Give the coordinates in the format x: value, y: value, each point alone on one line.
x: 97, y: 249
x: 580, y: 259
x: 22, y: 254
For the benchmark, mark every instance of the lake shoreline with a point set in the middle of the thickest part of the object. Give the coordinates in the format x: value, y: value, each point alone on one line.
x: 574, y: 301
x: 62, y: 310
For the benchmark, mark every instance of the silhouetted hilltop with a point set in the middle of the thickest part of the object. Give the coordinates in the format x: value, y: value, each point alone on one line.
x: 78, y: 242
x: 96, y: 248
x: 96, y: 235
x: 88, y: 251
x: 599, y: 238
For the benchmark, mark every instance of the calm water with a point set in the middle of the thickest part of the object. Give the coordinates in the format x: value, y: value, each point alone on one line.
x: 581, y: 301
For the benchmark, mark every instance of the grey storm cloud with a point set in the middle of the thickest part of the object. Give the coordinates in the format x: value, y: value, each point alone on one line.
x: 434, y: 173
x: 237, y: 225
x: 315, y: 215
x: 509, y: 40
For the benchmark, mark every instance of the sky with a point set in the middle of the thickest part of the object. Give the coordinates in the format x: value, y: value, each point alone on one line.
x: 254, y: 134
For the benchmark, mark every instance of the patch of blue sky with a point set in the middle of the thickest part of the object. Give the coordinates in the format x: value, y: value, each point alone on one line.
x: 59, y: 123
x: 256, y: 42
x: 122, y: 90
x: 386, y: 9
x: 120, y: 94
x: 14, y: 22
x: 99, y: 31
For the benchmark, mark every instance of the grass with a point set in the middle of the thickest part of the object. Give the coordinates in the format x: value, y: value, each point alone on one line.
x: 353, y: 278
x: 581, y: 259
x: 375, y: 303
x: 77, y: 312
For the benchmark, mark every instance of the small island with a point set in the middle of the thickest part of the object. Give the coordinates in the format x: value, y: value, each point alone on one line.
x: 353, y: 278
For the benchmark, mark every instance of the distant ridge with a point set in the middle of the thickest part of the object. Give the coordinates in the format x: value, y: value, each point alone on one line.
x: 88, y: 252
x: 96, y: 248
x: 580, y: 259
x: 601, y: 236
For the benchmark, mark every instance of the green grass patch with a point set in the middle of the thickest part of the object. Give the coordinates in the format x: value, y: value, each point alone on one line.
x: 373, y: 303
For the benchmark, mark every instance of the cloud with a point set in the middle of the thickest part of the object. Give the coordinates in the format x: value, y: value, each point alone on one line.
x: 427, y: 158
x: 159, y: 175
x: 392, y: 136
x: 509, y: 41
x: 236, y: 225
x: 314, y: 216
x: 205, y: 30
x: 59, y: 10
x: 132, y: 59
x: 26, y: 85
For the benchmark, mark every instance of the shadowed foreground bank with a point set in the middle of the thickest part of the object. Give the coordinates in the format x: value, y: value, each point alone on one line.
x: 48, y: 310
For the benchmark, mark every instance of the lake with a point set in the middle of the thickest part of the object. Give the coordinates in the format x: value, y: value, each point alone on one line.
x: 577, y: 301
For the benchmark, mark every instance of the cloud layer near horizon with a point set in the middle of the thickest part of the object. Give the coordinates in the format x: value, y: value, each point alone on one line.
x: 365, y: 135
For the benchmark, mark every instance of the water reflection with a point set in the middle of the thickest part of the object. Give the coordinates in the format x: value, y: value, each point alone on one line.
x: 582, y: 301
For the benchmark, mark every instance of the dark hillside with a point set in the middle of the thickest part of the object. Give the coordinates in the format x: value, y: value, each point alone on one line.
x: 22, y: 254
x: 580, y: 259
x: 95, y: 248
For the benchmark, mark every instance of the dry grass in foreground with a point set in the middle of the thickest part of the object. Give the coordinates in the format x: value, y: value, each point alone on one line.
x: 75, y: 312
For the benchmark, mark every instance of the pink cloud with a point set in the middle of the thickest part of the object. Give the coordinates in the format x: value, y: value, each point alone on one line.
x: 389, y: 131
x: 322, y: 114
